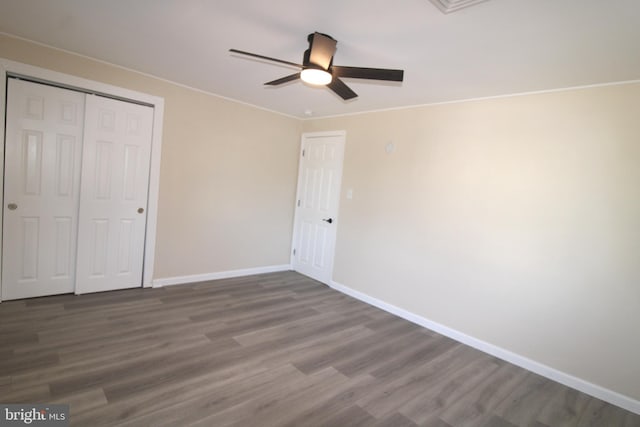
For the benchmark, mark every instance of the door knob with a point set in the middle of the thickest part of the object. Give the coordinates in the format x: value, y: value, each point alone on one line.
x: 329, y: 220
x: 140, y: 210
x: 12, y: 206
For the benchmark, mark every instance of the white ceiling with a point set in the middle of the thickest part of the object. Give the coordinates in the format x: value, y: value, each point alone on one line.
x: 496, y: 47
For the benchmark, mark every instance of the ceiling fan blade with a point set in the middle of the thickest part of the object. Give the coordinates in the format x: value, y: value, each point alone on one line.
x: 322, y: 49
x: 282, y: 80
x: 368, y: 73
x: 255, y: 55
x: 341, y: 89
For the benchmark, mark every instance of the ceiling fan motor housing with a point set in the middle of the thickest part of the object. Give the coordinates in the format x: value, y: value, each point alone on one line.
x: 306, y: 58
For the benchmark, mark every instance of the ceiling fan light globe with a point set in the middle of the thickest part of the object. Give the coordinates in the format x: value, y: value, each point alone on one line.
x: 315, y: 77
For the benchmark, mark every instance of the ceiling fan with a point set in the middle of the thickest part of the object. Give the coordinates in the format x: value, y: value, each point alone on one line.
x: 317, y: 68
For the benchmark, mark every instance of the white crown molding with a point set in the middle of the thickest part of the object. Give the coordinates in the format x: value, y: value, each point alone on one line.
x: 448, y: 6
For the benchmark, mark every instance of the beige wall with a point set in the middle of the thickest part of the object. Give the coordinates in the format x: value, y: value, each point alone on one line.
x: 228, y: 171
x: 513, y: 220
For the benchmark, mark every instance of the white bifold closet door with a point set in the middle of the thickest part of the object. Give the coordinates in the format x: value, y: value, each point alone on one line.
x: 76, y: 182
x: 113, y: 194
x: 42, y: 174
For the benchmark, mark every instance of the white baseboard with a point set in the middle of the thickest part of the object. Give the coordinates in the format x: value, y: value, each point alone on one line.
x: 179, y: 280
x: 591, y: 389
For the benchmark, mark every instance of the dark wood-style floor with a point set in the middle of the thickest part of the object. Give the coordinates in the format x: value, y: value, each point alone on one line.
x: 270, y: 350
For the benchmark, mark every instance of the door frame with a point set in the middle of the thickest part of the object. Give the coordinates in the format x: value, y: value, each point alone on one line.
x: 41, y: 75
x: 296, y: 218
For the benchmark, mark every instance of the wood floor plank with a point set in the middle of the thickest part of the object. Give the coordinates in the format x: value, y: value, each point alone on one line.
x: 325, y: 386
x: 150, y: 402
x: 37, y: 393
x: 319, y: 324
x: 313, y: 344
x: 349, y: 351
x: 342, y: 401
x: 399, y: 420
x: 24, y: 363
x: 14, y: 338
x: 366, y: 361
x: 179, y: 410
x: 86, y: 400
x: 601, y: 414
x: 527, y: 400
x: 276, y: 349
x: 254, y: 407
x: 475, y: 407
x: 437, y: 422
x: 396, y: 392
x: 353, y: 416
x: 564, y: 408
x: 203, y: 359
x: 96, y: 361
x: 123, y: 371
x: 448, y: 390
x: 496, y: 421
x: 266, y: 303
x: 402, y: 362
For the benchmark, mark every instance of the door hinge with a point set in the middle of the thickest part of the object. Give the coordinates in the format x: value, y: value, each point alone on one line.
x: 303, y: 153
x: 298, y: 203
x: 294, y: 252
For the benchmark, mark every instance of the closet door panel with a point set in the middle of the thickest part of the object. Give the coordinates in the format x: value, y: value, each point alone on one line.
x: 113, y: 200
x: 41, y: 191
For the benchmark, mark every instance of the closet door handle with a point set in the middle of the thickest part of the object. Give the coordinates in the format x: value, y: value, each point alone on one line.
x: 140, y: 210
x: 12, y: 206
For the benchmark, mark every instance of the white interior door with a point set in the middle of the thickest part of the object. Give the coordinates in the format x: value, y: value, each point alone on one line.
x: 113, y: 194
x: 319, y: 178
x: 42, y: 172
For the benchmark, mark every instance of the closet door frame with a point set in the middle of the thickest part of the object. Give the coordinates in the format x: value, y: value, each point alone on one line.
x: 15, y: 69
